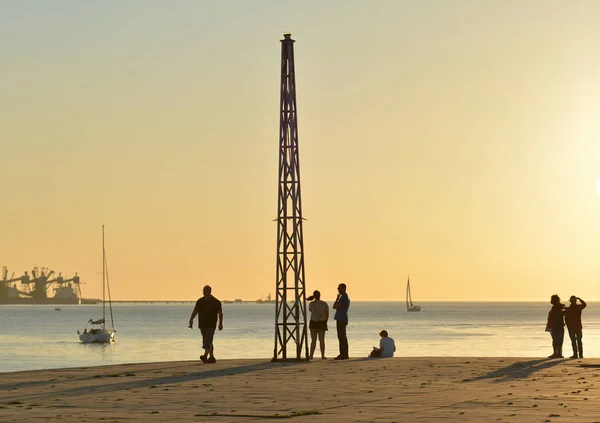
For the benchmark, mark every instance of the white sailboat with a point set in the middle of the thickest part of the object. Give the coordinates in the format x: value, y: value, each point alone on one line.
x: 98, y: 333
x: 409, y: 304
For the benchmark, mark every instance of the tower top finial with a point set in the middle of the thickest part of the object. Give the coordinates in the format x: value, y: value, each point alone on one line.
x: 287, y: 35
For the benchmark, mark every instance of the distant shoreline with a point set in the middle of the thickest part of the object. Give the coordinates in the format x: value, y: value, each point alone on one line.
x: 94, y: 301
x: 332, y: 299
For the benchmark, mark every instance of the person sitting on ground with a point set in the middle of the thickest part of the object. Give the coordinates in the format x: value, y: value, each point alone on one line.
x: 387, y: 346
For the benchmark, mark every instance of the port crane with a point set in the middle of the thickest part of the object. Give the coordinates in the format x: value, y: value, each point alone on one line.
x: 5, y: 282
x: 33, y: 288
x: 40, y: 280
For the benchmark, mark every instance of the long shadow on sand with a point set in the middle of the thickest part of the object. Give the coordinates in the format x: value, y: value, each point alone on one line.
x: 153, y: 382
x: 126, y: 369
x: 519, y: 370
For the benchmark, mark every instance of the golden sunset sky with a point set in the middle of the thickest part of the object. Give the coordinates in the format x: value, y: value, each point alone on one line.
x: 455, y: 141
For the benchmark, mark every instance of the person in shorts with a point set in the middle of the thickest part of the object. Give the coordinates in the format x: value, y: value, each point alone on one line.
x: 208, y: 309
x: 319, y: 314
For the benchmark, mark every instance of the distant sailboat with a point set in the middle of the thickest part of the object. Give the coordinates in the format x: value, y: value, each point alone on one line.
x: 409, y: 304
x: 98, y: 333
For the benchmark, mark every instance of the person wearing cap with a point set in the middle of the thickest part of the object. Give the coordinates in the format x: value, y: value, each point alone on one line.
x: 574, y: 326
x: 319, y: 314
x: 208, y: 309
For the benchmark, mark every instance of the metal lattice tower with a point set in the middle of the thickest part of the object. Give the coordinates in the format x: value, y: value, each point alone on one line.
x: 290, y: 304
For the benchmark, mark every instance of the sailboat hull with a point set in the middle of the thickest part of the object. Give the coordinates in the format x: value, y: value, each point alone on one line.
x: 100, y: 336
x: 413, y: 308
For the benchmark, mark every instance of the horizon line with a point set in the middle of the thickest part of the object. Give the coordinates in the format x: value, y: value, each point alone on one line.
x: 358, y: 300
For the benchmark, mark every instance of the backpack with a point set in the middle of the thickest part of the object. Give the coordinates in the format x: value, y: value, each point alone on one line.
x: 375, y: 353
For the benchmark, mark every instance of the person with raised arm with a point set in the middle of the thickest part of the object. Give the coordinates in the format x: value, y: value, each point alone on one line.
x: 341, y: 306
x: 574, y: 326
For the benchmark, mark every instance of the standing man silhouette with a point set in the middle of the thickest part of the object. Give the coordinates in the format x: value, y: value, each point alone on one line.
x: 573, y: 321
x: 341, y: 306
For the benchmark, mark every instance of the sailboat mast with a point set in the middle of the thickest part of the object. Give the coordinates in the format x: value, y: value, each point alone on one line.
x: 103, y: 279
x: 407, y: 292
x: 112, y: 320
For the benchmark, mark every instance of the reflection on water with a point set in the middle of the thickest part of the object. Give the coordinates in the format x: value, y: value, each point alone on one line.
x: 35, y: 337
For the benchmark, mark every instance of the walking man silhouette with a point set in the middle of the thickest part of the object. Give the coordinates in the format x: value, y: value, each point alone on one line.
x: 208, y: 309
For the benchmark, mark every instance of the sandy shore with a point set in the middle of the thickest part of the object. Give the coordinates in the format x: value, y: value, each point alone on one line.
x: 357, y: 390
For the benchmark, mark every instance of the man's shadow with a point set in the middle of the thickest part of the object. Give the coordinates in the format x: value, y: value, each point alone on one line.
x: 520, y: 370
